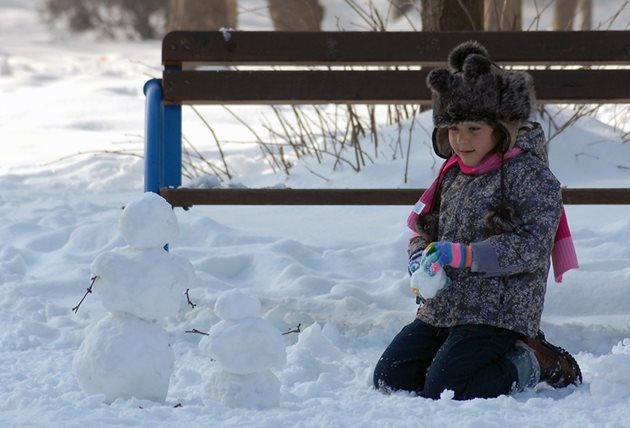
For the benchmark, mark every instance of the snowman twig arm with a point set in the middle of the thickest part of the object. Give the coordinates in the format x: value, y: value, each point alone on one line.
x: 295, y: 330
x: 192, y: 305
x: 194, y: 330
x: 88, y: 291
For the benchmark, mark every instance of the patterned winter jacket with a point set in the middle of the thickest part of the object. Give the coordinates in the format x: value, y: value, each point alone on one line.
x: 506, y: 285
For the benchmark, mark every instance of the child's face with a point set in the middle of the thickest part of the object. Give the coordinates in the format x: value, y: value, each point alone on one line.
x: 471, y: 141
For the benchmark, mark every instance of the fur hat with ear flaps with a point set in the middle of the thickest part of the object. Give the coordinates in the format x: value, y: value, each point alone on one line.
x: 474, y: 89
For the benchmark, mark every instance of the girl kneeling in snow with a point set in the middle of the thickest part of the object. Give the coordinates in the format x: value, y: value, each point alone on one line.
x: 487, y: 226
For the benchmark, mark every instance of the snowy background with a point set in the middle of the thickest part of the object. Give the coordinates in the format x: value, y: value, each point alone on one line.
x: 340, y: 272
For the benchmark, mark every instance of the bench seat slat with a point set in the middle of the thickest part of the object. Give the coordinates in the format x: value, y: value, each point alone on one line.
x: 422, y: 48
x: 399, y: 87
x: 185, y: 197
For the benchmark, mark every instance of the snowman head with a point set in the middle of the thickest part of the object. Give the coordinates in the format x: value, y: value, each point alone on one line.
x: 233, y: 305
x: 148, y: 222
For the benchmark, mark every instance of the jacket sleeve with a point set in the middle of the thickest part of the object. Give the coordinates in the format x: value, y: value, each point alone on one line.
x: 535, y: 194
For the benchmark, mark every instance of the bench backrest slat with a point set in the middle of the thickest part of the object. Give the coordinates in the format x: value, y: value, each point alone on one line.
x: 395, y: 48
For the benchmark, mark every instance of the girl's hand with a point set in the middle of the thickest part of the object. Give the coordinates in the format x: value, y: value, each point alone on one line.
x: 439, y: 254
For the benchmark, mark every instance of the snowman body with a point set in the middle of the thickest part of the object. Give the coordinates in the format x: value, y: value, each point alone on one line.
x: 127, y: 353
x: 246, y: 348
x: 124, y: 356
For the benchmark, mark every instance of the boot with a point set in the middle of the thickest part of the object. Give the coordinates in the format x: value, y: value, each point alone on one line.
x: 557, y: 367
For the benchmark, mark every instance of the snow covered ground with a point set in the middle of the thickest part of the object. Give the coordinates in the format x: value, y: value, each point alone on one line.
x: 340, y: 272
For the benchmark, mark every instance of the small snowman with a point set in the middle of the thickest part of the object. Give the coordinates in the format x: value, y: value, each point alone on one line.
x: 246, y: 348
x: 127, y: 353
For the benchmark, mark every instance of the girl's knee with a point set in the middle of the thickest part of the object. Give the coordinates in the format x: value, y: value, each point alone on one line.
x: 383, y: 373
x: 390, y: 375
x: 435, y: 385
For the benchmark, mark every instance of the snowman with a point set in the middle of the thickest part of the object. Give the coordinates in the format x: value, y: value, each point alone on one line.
x: 246, y: 348
x: 127, y: 353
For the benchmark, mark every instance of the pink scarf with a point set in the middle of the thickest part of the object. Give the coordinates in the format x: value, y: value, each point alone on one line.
x: 563, y: 254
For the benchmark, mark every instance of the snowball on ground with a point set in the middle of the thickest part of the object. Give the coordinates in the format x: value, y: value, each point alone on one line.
x: 124, y: 357
x: 253, y: 391
x: 149, y: 284
x: 234, y: 305
x: 313, y: 339
x: 148, y: 222
x: 611, y: 378
x: 312, y: 355
x: 245, y: 346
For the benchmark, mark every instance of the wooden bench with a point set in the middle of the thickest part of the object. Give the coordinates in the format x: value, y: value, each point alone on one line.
x: 585, y: 83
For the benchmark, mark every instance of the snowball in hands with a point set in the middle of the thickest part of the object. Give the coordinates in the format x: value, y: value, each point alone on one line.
x: 428, y: 284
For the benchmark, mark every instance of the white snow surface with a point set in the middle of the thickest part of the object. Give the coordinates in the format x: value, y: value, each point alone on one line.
x: 339, y: 272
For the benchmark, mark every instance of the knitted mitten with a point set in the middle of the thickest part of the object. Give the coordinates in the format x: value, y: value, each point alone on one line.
x: 439, y: 254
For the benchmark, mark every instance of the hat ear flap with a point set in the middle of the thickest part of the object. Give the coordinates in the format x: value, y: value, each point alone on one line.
x: 439, y: 80
x: 441, y: 146
x: 504, y: 137
x: 517, y: 95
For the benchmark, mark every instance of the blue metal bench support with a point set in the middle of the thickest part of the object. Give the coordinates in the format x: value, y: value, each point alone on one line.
x: 163, y: 140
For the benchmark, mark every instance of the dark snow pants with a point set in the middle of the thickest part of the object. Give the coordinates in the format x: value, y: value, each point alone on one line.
x: 469, y: 360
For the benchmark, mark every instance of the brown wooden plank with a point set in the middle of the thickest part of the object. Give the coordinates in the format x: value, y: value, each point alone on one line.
x: 185, y: 197
x: 188, y: 197
x: 398, y: 87
x: 422, y: 48
x: 595, y: 196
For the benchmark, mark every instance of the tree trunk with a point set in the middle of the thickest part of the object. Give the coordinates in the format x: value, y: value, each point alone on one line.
x: 452, y: 15
x: 206, y: 15
x: 586, y: 10
x: 563, y: 14
x: 401, y: 7
x: 503, y: 15
x: 296, y: 15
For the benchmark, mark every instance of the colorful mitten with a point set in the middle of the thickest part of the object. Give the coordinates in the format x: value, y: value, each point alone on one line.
x: 414, y: 262
x: 439, y: 254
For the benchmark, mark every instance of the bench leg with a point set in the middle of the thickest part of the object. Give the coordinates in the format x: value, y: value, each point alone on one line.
x: 172, y: 147
x: 162, y: 140
x: 153, y: 125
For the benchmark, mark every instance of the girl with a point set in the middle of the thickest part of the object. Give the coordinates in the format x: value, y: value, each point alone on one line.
x: 489, y: 223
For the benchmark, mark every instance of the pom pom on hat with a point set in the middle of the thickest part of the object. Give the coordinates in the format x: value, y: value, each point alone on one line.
x: 458, y: 55
x: 476, y: 65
